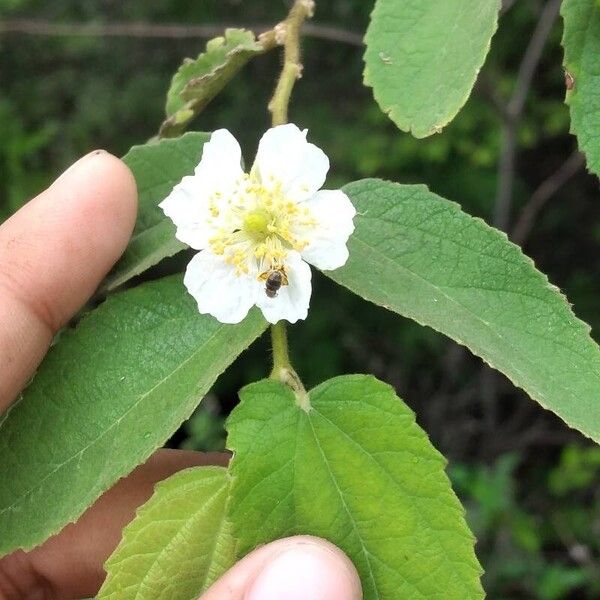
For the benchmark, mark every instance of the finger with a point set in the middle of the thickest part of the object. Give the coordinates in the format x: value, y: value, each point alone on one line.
x: 53, y: 254
x: 70, y: 564
x: 296, y: 568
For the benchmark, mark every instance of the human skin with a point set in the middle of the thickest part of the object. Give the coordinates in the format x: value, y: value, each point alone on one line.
x: 53, y: 254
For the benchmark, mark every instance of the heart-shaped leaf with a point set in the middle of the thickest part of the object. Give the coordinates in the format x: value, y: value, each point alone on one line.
x: 356, y: 470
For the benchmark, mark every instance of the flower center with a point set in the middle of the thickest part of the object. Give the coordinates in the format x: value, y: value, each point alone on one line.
x: 259, y: 225
x: 256, y: 224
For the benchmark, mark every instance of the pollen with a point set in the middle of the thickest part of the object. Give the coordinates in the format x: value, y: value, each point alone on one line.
x: 260, y: 224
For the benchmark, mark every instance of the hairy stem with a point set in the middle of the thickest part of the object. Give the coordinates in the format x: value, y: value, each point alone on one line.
x: 279, y: 340
x: 292, y: 70
x: 282, y: 367
x: 292, y: 67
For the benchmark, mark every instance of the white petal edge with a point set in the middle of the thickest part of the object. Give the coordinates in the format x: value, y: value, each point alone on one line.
x: 221, y: 163
x: 188, y: 210
x: 334, y: 212
x: 217, y: 290
x: 285, y: 155
x: 187, y: 204
x: 292, y: 300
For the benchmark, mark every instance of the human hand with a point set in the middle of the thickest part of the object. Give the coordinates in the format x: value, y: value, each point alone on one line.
x: 53, y: 254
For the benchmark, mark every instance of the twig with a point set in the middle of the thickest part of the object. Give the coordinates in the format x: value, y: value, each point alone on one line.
x: 506, y: 176
x: 292, y: 67
x: 532, y: 56
x: 487, y: 90
x: 150, y: 30
x: 514, y: 111
x: 291, y: 71
x: 507, y: 5
x: 543, y: 193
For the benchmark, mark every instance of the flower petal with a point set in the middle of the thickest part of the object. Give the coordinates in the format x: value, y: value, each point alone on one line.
x: 188, y: 203
x: 187, y: 207
x: 221, y: 162
x: 218, y: 290
x: 285, y: 155
x: 334, y: 214
x: 292, y: 300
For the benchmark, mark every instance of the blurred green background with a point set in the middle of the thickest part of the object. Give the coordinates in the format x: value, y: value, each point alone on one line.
x: 530, y: 484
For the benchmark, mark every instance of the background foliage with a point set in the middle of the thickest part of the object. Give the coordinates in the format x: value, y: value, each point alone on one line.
x: 529, y: 482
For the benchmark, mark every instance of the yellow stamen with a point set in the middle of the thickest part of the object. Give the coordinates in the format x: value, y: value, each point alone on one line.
x: 257, y: 224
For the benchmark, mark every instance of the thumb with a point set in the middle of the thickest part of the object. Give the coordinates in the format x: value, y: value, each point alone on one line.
x: 296, y: 568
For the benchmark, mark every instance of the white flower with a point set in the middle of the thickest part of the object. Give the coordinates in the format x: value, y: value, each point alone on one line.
x: 258, y: 231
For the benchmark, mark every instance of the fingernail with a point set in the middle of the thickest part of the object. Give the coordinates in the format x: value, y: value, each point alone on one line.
x: 309, y: 572
x: 78, y: 163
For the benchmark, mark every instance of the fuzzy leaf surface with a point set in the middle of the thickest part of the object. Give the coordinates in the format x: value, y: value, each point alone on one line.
x: 423, y: 57
x: 581, y: 41
x: 108, y: 394
x: 356, y: 470
x: 157, y: 168
x: 179, y: 543
x: 419, y: 255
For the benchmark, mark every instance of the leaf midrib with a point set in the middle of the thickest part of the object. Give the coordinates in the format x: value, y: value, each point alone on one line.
x: 200, y: 513
x: 383, y: 258
x: 217, y: 537
x: 364, y: 550
x: 391, y: 478
x: 450, y: 299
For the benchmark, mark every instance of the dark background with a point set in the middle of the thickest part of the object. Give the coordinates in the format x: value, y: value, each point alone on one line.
x: 530, y: 484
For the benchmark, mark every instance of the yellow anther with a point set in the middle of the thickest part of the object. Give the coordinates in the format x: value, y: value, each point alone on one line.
x: 257, y: 222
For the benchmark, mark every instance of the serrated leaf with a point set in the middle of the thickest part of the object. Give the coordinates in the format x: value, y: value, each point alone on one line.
x: 199, y: 80
x: 356, y: 470
x: 422, y: 257
x: 179, y: 543
x: 106, y: 396
x: 222, y: 56
x: 423, y: 57
x: 157, y: 168
x: 581, y: 41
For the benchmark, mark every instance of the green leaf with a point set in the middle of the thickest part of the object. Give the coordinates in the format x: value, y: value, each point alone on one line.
x: 419, y: 255
x: 581, y: 41
x: 356, y: 470
x: 106, y: 396
x: 179, y: 543
x: 157, y: 168
x: 199, y: 80
x: 423, y: 57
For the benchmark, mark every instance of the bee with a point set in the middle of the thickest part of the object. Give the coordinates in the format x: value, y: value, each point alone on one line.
x: 274, y: 278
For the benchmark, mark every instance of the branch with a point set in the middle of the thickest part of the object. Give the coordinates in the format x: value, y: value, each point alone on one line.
x: 514, y: 112
x: 543, y: 193
x: 507, y: 5
x: 292, y: 67
x: 150, y: 30
x: 290, y: 30
x: 532, y: 56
